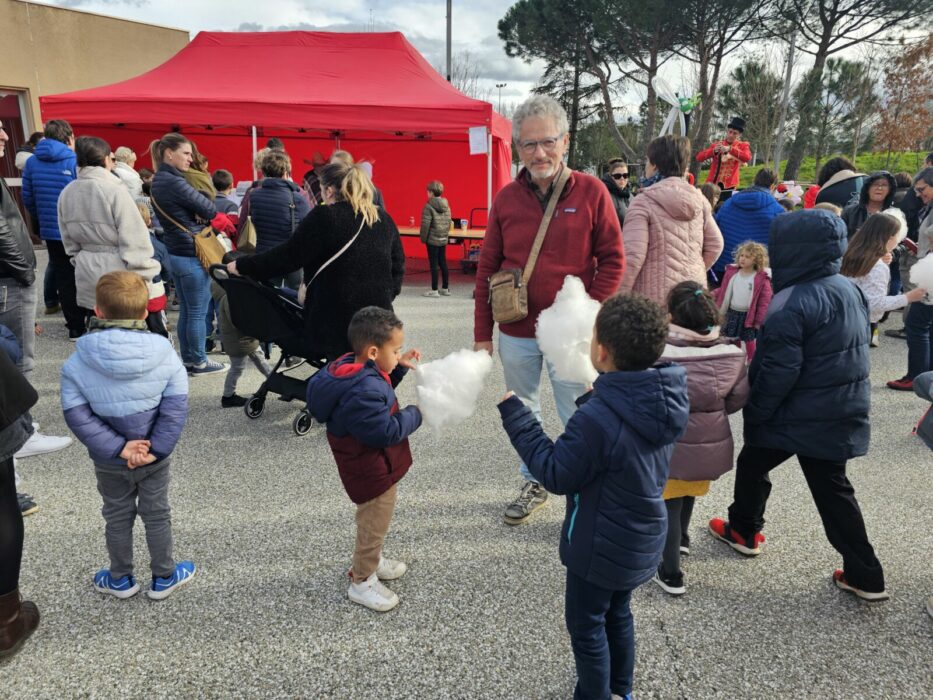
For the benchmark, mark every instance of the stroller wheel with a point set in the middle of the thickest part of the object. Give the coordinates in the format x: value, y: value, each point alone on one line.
x: 302, y: 423
x: 255, y: 406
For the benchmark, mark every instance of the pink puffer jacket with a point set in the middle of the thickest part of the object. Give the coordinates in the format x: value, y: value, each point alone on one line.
x: 717, y: 386
x: 669, y: 237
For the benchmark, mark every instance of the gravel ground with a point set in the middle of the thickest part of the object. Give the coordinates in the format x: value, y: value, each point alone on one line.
x: 263, y: 514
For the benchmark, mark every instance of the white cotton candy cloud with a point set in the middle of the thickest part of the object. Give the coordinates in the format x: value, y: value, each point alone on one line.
x: 901, y: 220
x: 921, y: 274
x: 564, y: 331
x: 449, y: 388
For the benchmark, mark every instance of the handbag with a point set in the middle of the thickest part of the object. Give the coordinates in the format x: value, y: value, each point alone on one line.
x: 246, y: 241
x: 508, y: 289
x: 303, y: 287
x: 207, y: 246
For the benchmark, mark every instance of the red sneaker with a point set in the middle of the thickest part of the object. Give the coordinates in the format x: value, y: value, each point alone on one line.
x: 839, y: 578
x: 720, y: 529
x: 905, y: 383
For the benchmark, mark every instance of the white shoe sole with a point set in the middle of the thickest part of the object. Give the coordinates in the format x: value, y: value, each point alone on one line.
x: 862, y: 595
x: 509, y: 520
x: 740, y: 548
x: 208, y: 374
x: 670, y: 590
x: 381, y: 606
x: 122, y: 595
x: 162, y: 595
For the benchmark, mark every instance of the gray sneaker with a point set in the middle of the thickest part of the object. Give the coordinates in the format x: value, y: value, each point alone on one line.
x: 530, y: 498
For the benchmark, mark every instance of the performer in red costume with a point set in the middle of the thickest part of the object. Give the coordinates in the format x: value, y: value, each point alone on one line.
x: 728, y: 156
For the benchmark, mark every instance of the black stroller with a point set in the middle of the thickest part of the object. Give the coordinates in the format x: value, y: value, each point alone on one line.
x: 260, y: 310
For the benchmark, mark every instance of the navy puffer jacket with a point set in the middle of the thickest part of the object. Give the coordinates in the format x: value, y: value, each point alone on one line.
x: 745, y: 216
x: 276, y: 208
x: 51, y: 168
x: 612, y: 462
x: 172, y: 195
x: 810, y: 392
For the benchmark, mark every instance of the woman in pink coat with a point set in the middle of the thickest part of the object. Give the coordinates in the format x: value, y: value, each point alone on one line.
x: 669, y: 234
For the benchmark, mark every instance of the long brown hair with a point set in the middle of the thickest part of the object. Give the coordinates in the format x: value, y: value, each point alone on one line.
x: 352, y: 185
x: 869, y: 244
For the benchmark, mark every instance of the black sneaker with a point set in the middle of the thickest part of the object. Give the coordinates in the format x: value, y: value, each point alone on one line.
x: 233, y: 401
x: 898, y: 333
x: 672, y: 585
x: 27, y: 506
x: 530, y: 498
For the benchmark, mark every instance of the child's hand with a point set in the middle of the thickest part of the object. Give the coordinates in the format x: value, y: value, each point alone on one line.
x: 915, y: 294
x: 508, y: 395
x: 139, y: 460
x: 406, y: 359
x: 887, y: 258
x: 135, y: 447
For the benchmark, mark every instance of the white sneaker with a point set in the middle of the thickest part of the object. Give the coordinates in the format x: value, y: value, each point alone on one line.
x: 39, y: 444
x: 390, y: 569
x: 372, y: 594
x: 445, y: 292
x: 432, y: 293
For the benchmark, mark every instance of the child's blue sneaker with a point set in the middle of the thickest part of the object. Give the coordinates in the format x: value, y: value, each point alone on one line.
x: 123, y: 587
x: 163, y: 586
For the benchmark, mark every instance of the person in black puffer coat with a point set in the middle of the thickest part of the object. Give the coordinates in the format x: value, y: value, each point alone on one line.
x: 616, y: 181
x: 810, y: 396
x: 351, y: 255
x: 276, y: 208
x: 877, y: 195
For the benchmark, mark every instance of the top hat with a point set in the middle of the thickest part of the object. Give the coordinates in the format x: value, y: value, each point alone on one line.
x: 737, y: 123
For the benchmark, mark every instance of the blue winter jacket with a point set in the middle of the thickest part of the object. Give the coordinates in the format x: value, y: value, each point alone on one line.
x: 612, y: 462
x: 172, y: 194
x: 276, y: 207
x: 810, y: 392
x: 745, y: 216
x: 52, y: 166
x: 122, y: 385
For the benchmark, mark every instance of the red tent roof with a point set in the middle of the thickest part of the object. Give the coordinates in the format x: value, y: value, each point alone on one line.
x: 310, y: 80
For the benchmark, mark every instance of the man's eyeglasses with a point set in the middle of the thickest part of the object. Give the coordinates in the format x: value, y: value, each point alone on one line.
x: 619, y: 176
x: 547, y: 144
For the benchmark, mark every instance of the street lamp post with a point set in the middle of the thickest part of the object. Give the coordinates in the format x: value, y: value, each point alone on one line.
x: 499, y: 86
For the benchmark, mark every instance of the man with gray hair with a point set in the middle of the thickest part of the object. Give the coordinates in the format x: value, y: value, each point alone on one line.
x: 582, y: 238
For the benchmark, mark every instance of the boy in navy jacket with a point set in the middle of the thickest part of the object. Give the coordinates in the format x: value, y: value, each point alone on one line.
x: 612, y: 462
x: 368, y: 435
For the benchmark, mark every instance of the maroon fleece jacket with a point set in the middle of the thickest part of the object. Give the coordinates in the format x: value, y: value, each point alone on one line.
x: 584, y: 239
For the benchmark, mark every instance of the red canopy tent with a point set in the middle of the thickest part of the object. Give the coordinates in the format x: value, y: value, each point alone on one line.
x: 372, y: 94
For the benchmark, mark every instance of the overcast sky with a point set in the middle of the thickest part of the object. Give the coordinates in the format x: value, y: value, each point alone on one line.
x: 422, y: 22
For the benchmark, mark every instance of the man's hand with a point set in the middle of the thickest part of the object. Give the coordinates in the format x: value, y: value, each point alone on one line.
x: 406, y: 359
x: 485, y: 345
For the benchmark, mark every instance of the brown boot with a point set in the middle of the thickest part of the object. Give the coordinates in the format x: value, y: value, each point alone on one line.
x: 18, y: 619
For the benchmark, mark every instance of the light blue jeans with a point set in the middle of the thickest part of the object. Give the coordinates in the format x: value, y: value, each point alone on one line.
x: 192, y: 286
x: 521, y: 363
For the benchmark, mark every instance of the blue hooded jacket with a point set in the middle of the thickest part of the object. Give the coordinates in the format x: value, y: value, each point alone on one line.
x: 52, y: 166
x: 612, y: 462
x: 810, y: 391
x: 122, y: 385
x: 745, y: 216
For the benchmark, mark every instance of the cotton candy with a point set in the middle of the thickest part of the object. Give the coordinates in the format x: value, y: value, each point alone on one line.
x: 901, y: 220
x: 564, y: 331
x: 448, y: 388
x: 921, y: 274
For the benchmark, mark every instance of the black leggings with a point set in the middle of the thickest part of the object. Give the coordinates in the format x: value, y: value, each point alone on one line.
x: 11, y: 529
x: 437, y: 256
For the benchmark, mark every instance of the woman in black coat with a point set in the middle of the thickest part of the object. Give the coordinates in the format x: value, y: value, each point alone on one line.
x: 350, y: 253
x: 18, y: 619
x: 617, y: 182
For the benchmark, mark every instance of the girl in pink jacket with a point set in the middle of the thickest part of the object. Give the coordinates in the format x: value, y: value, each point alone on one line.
x: 744, y: 295
x: 717, y: 386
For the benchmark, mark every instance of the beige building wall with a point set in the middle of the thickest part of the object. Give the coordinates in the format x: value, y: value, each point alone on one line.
x: 46, y: 50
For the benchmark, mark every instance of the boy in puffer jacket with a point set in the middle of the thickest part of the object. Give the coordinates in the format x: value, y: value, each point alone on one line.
x: 612, y: 461
x: 125, y: 397
x: 368, y: 435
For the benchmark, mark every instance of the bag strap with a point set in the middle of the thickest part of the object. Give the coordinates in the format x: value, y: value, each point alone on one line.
x: 337, y: 254
x: 162, y: 212
x: 545, y: 222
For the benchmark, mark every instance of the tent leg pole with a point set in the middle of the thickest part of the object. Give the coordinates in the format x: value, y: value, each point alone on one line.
x: 253, y: 164
x: 488, y: 173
